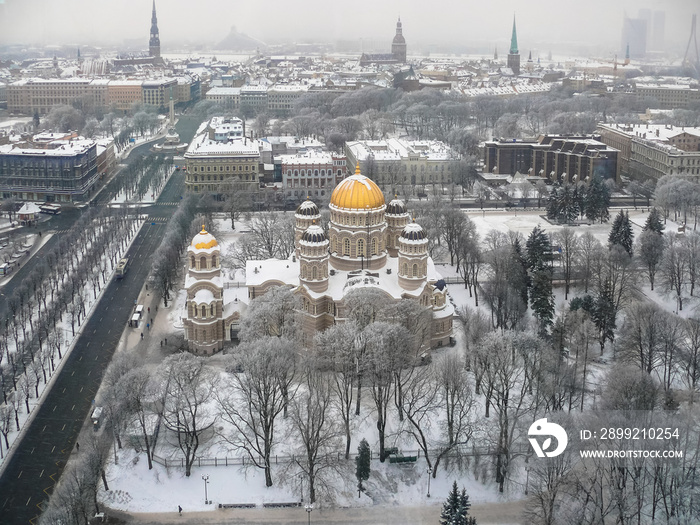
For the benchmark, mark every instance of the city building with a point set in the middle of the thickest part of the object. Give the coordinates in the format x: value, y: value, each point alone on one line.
x: 157, y: 92
x: 228, y: 97
x: 218, y: 155
x: 650, y: 151
x: 556, y: 157
x: 669, y: 96
x: 37, y: 95
x: 311, y: 174
x: 123, y: 94
x: 369, y: 244
x: 282, y: 97
x: 514, y: 54
x: 394, y: 163
x: 51, y: 168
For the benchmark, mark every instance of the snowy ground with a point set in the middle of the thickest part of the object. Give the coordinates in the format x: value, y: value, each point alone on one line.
x: 135, y: 489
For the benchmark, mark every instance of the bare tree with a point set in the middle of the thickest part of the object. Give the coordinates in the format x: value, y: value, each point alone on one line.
x: 316, y: 428
x: 187, y: 390
x: 336, y: 352
x: 568, y: 242
x: 256, y: 399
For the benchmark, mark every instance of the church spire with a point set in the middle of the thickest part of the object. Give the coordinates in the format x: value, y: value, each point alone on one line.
x: 154, y: 42
x: 514, y: 40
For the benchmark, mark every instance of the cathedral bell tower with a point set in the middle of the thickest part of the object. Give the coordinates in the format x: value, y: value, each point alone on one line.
x: 398, y: 45
x: 154, y: 42
x: 413, y: 256
x: 313, y: 259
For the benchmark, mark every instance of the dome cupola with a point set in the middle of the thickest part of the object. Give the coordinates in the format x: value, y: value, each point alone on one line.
x: 309, y: 209
x: 203, y: 240
x: 357, y: 192
x: 413, y: 232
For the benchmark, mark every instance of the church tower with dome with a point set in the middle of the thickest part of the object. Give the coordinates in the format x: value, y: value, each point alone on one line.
x: 204, y: 321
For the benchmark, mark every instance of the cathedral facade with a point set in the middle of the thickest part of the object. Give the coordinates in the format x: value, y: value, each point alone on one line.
x: 368, y: 244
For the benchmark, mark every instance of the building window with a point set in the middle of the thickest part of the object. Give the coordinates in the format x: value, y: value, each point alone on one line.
x: 346, y: 247
x: 360, y: 248
x: 204, y: 311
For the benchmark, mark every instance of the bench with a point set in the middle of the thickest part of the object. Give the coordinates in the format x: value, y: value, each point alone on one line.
x: 236, y: 505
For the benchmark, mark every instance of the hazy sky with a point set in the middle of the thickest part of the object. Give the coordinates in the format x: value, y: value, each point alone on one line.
x: 541, y: 23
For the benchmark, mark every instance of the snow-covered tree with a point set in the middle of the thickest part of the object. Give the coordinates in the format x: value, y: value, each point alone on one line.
x: 455, y: 510
x: 362, y: 464
x: 654, y: 222
x: 621, y: 232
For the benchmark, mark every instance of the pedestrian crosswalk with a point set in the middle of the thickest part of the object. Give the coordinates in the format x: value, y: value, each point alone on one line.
x: 158, y: 219
x: 165, y: 203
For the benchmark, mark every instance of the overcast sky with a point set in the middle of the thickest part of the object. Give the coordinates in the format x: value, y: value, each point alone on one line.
x: 541, y: 23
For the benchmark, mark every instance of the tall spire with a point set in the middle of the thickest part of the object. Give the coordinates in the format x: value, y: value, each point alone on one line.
x: 154, y: 42
x: 514, y: 40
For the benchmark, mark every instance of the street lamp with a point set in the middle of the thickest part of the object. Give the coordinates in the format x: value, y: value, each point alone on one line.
x: 205, y: 477
x: 527, y: 478
x: 430, y: 472
x: 309, y: 508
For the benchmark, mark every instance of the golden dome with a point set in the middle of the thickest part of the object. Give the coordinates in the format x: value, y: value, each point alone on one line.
x: 357, y: 192
x: 204, y: 240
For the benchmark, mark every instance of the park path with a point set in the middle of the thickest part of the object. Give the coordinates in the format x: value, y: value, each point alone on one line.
x: 505, y: 513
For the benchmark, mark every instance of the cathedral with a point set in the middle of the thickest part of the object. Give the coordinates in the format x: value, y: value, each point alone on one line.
x: 368, y: 244
x: 398, y: 51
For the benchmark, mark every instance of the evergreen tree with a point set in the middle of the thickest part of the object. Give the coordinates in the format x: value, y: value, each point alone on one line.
x: 539, y: 249
x: 519, y: 278
x: 654, y: 222
x: 455, y: 511
x: 597, y: 200
x: 604, y: 315
x: 621, y: 232
x: 542, y: 298
x: 362, y: 465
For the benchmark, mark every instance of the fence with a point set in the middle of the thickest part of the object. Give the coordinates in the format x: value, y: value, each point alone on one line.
x: 519, y: 449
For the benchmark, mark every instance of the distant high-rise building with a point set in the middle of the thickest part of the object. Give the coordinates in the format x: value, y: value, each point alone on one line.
x: 658, y: 30
x: 514, y: 54
x: 154, y: 42
x: 634, y: 34
x: 398, y: 45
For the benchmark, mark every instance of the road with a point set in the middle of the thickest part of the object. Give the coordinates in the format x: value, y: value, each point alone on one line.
x: 40, y: 457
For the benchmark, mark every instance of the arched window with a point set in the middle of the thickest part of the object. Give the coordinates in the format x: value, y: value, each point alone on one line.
x: 204, y: 311
x: 360, y: 248
x: 193, y: 263
x: 346, y: 246
x: 314, y: 273
x: 415, y: 270
x: 202, y: 263
x: 213, y: 261
x: 374, y: 247
x: 405, y: 269
x: 303, y: 272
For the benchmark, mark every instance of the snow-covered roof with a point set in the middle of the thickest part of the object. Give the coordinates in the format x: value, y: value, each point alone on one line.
x: 203, y: 295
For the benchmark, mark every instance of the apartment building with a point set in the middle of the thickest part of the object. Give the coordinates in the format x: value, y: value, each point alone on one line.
x: 395, y: 162
x: 650, y: 151
x: 52, y: 169
x: 217, y: 157
x: 557, y: 157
